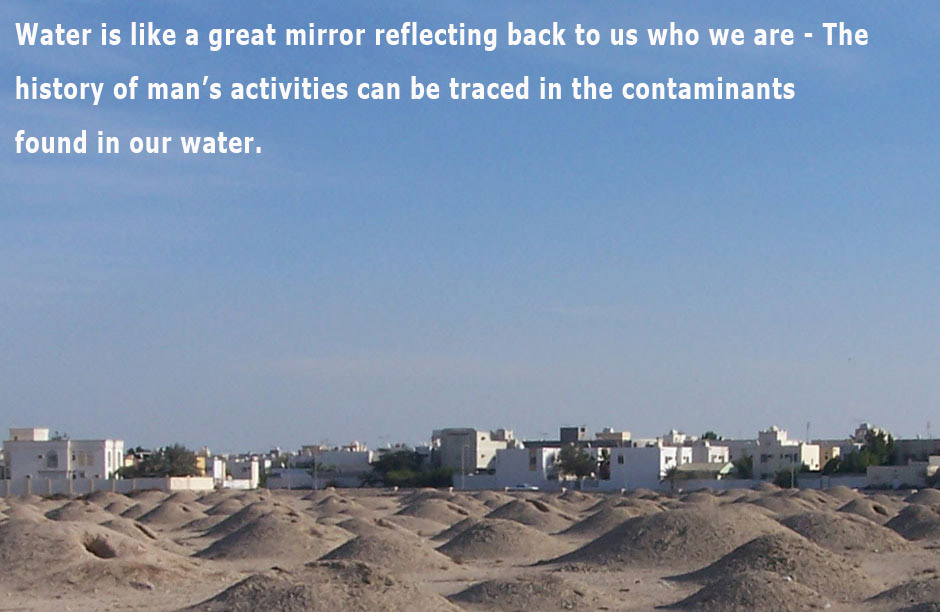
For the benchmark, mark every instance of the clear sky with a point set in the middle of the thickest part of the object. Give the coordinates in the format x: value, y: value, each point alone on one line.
x: 383, y: 269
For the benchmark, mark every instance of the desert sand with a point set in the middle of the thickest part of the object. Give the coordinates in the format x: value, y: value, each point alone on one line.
x: 372, y: 549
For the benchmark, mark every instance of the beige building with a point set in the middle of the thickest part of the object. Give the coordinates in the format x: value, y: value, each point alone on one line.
x: 467, y: 450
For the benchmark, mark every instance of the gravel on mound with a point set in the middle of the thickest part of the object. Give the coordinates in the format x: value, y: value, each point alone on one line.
x: 325, y: 587
x: 415, y: 524
x: 783, y: 505
x: 842, y: 531
x: 454, y: 530
x: 491, y: 539
x: 642, y: 493
x: 578, y: 499
x: 492, y: 499
x: 131, y: 529
x: 226, y: 507
x: 185, y: 497
x: 80, y: 512
x: 642, y: 507
x: 147, y: 496
x: 790, y: 555
x: 120, y: 506
x: 533, y: 513
x: 438, y: 510
x: 917, y: 591
x: 753, y: 590
x: 241, y: 518
x: 842, y: 493
x: 817, y: 498
x: 104, y: 498
x: 601, y: 522
x: 925, y: 497
x: 688, y: 537
x: 275, y: 535
x: 869, y: 509
x: 698, y: 497
x: 171, y: 515
x: 916, y: 522
x: 543, y: 592
x: 392, y: 551
x: 335, y: 505
x: 360, y: 526
x: 137, y: 510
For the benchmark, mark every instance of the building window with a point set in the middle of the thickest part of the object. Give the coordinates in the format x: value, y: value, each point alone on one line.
x: 52, y: 460
x: 620, y: 459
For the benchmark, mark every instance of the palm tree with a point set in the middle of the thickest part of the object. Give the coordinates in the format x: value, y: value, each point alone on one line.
x: 672, y: 475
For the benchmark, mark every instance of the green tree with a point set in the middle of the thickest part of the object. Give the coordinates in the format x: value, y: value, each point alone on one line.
x: 575, y: 461
x: 711, y: 435
x: 406, y: 468
x: 744, y: 466
x: 175, y: 460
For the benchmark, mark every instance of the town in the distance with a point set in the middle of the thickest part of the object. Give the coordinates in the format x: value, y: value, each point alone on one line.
x: 33, y: 461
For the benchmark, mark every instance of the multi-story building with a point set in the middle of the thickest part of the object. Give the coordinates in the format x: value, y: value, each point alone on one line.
x: 31, y: 453
x: 775, y: 452
x: 468, y: 450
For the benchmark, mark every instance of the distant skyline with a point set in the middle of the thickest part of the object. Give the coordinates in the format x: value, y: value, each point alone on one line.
x: 382, y: 270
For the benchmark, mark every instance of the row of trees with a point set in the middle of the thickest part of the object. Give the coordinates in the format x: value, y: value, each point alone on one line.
x: 175, y: 460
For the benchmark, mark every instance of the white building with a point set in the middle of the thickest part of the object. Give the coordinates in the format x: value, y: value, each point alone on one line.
x: 467, y: 450
x: 30, y: 453
x: 645, y: 466
x: 776, y: 452
x: 526, y: 466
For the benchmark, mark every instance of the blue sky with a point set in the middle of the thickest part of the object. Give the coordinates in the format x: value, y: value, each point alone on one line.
x: 383, y: 269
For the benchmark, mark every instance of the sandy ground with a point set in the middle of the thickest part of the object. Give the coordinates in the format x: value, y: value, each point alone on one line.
x: 331, y: 550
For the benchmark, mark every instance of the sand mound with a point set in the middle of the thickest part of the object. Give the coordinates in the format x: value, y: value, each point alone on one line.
x: 925, y: 497
x: 131, y: 529
x: 533, y: 513
x: 148, y: 496
x: 642, y: 507
x: 917, y: 591
x: 868, y: 509
x: 48, y: 555
x: 137, y: 510
x: 241, y: 518
x: 391, y: 550
x: 601, y: 522
x: 842, y: 493
x: 783, y: 505
x: 276, y: 535
x: 766, y: 487
x: 417, y: 525
x: 916, y: 522
x: 817, y: 498
x: 24, y: 511
x: 492, y: 499
x: 225, y: 507
x: 171, y: 515
x: 105, y: 498
x: 699, y: 497
x: 491, y: 539
x: 689, y: 537
x: 438, y: 510
x: 335, y: 505
x: 841, y: 532
x: 543, y: 592
x: 80, y: 512
x: 790, y: 555
x: 120, y: 506
x: 325, y: 587
x: 454, y: 530
x: 756, y: 590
